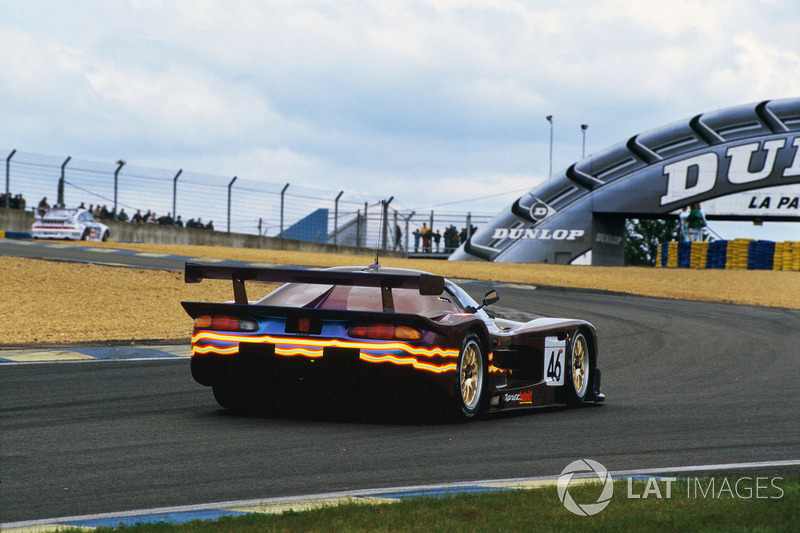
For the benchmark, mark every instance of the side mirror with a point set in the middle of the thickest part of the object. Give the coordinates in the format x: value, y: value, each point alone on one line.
x: 490, y: 298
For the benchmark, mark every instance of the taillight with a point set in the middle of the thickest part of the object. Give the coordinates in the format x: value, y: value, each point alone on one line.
x: 224, y: 323
x: 385, y: 332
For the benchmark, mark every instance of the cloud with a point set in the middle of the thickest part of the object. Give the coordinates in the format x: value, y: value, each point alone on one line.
x: 394, y: 97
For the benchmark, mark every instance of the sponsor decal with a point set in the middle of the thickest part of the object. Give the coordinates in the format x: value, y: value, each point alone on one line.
x: 604, y: 238
x: 699, y: 174
x: 767, y: 202
x: 539, y: 234
x: 540, y: 210
x: 522, y: 398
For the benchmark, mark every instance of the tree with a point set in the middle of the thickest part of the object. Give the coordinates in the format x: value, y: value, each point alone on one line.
x: 642, y: 237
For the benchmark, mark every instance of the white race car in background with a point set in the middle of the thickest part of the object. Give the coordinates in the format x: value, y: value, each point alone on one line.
x: 74, y: 224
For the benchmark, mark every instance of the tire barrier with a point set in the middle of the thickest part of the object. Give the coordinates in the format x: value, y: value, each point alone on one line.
x: 738, y: 254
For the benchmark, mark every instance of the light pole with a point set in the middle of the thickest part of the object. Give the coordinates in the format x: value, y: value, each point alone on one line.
x: 584, y: 127
x: 550, y: 120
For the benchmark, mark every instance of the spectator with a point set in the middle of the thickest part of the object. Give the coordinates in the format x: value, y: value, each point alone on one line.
x: 398, y: 235
x: 137, y: 217
x: 123, y: 216
x: 43, y: 207
x: 696, y: 221
x: 179, y: 222
x: 426, y: 237
x: 450, y: 239
x: 210, y: 225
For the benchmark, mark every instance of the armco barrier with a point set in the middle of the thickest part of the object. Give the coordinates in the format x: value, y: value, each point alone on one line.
x: 739, y: 254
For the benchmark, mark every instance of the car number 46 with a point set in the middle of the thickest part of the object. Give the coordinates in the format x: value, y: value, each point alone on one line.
x: 554, y: 355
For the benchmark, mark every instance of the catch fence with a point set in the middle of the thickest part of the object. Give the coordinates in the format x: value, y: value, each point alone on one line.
x: 231, y: 204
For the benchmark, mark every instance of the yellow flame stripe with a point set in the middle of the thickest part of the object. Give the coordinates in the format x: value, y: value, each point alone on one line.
x: 325, y: 343
x: 280, y: 350
x: 449, y: 367
x: 313, y: 348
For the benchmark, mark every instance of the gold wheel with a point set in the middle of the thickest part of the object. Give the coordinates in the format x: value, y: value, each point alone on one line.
x: 580, y: 366
x: 470, y: 375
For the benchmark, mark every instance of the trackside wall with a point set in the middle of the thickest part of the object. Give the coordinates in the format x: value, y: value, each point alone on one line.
x: 15, y: 223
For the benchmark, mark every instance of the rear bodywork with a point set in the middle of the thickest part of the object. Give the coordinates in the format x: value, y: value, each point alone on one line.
x: 399, y: 342
x: 71, y: 224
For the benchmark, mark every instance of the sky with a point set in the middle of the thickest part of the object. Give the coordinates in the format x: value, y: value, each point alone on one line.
x: 439, y: 103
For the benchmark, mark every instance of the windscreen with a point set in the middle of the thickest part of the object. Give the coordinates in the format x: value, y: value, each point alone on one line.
x: 356, y: 298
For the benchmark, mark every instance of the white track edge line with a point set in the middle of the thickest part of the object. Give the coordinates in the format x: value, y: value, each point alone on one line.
x: 379, y: 492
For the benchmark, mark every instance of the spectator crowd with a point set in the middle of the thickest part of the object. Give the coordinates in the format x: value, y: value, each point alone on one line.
x: 14, y: 202
x: 149, y: 217
x: 434, y: 241
x: 103, y: 213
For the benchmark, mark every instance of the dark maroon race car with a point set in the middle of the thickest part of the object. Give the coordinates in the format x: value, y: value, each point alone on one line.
x: 405, y: 340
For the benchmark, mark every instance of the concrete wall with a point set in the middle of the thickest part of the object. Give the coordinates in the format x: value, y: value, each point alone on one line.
x: 15, y: 220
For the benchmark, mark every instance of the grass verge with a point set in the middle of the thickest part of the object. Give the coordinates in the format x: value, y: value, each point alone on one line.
x: 745, y: 503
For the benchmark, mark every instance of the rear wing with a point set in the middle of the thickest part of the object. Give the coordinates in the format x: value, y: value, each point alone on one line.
x: 426, y: 284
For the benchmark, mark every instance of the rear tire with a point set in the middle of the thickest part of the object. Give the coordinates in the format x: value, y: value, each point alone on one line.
x: 224, y: 395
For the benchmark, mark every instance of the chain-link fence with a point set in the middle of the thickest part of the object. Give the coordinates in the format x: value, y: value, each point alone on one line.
x: 229, y: 203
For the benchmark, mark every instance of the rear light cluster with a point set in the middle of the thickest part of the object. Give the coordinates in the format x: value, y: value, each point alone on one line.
x: 385, y: 332
x: 224, y: 323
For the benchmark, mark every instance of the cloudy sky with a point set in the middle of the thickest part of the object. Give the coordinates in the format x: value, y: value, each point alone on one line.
x: 436, y: 102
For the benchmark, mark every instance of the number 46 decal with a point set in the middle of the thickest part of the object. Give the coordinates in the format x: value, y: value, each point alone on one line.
x: 554, y: 355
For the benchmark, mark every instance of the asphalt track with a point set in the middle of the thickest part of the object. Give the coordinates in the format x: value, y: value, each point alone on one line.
x: 687, y: 383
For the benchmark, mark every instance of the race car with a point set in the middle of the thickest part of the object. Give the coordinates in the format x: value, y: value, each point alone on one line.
x: 406, y: 340
x: 69, y: 223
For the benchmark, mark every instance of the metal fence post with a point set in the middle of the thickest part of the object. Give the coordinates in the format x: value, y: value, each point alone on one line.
x: 408, y: 242
x: 385, y: 222
x: 336, y: 218
x: 61, y: 183
x: 174, y: 193
x: 8, y: 178
x: 229, y: 203
x: 282, y: 195
x: 366, y: 225
x: 116, y: 175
